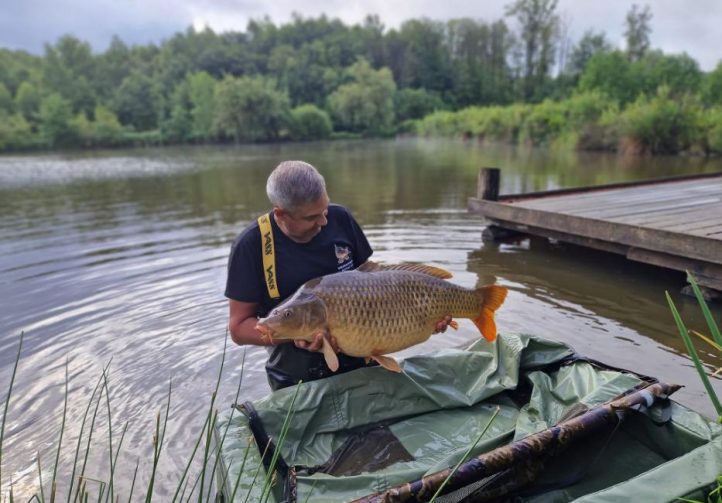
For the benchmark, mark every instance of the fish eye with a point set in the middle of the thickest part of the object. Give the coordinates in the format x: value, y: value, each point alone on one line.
x: 287, y: 313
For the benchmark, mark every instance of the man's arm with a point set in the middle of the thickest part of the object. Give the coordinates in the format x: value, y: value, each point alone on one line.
x: 242, y: 322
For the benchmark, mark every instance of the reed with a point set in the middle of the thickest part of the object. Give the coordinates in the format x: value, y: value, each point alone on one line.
x: 685, y: 333
x: 132, y: 484
x: 267, y: 483
x: 79, y: 492
x: 715, y: 495
x: 40, y: 478
x: 255, y: 475
x: 240, y: 472
x: 82, y: 488
x: 80, y: 436
x: 228, y: 424
x: 158, y: 438
x: 60, y: 440
x: 110, y: 438
x: 5, y: 411
x: 465, y: 456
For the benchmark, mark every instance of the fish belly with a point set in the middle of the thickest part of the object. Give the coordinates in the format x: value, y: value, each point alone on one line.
x: 376, y: 313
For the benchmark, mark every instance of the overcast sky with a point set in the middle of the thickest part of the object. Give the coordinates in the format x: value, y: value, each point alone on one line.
x: 691, y: 26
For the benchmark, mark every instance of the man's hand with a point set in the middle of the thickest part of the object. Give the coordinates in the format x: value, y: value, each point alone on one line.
x: 443, y: 325
x: 317, y: 343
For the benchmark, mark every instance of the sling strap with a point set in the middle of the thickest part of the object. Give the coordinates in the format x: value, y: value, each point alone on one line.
x: 269, y: 255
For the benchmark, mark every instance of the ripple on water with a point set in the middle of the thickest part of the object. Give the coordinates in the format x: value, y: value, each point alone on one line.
x: 120, y: 259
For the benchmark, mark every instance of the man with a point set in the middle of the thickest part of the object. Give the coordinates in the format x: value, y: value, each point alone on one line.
x: 310, y: 238
x: 303, y: 237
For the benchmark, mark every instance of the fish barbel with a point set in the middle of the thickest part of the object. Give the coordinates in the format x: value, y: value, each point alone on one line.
x: 379, y: 309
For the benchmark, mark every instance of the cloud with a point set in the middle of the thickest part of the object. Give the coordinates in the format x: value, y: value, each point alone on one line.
x: 29, y: 24
x: 32, y: 23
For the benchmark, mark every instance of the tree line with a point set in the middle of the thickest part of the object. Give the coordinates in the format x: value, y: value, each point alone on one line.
x: 314, y: 78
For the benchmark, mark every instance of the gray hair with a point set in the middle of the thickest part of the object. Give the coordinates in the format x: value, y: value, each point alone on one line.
x: 293, y: 184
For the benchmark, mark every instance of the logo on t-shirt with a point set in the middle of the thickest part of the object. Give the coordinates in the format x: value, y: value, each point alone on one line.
x: 343, y: 255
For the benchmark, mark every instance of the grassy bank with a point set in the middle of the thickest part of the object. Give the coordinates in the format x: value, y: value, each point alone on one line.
x: 658, y: 124
x: 75, y: 479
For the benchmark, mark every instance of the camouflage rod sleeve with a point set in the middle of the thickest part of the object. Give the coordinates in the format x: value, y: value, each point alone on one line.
x: 557, y: 437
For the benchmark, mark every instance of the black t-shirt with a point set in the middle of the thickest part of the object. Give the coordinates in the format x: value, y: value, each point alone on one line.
x: 340, y: 246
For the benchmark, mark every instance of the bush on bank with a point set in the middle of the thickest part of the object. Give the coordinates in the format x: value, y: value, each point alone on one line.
x: 308, y: 122
x: 662, y: 123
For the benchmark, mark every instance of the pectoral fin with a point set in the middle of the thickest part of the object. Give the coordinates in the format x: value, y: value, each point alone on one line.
x: 387, y: 362
x: 329, y: 355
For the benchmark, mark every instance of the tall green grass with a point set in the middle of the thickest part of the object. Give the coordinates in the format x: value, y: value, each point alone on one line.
x: 715, y: 496
x: 82, y: 488
x: 686, y: 337
x: 661, y: 123
x: 465, y: 456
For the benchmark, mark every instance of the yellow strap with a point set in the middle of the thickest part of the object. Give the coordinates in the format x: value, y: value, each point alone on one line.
x: 269, y: 255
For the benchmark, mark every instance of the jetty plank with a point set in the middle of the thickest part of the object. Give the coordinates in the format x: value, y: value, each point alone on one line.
x: 674, y: 223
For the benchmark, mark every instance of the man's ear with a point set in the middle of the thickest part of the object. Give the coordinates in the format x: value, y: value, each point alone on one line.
x: 279, y: 212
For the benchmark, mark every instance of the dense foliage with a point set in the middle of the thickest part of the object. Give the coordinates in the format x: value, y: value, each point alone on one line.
x: 318, y: 78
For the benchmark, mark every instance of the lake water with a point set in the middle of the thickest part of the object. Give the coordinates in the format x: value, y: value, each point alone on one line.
x: 119, y: 257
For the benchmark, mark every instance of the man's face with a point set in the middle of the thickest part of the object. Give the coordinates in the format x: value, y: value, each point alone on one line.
x: 304, y: 223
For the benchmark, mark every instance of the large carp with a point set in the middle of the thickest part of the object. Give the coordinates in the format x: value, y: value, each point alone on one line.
x: 379, y: 309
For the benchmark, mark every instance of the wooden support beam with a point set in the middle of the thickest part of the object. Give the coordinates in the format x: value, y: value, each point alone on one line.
x: 499, y: 233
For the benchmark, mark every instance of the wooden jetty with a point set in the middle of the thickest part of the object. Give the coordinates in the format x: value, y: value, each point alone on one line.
x: 672, y: 222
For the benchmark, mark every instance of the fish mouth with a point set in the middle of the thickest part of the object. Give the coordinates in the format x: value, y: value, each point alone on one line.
x: 266, y: 332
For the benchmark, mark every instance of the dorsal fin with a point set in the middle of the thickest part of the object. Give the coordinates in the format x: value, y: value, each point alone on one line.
x: 436, y: 272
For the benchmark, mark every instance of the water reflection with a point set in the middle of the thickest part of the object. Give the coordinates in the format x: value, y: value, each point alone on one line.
x: 120, y: 257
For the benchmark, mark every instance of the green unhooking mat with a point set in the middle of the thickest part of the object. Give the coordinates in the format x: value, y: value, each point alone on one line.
x: 361, y: 434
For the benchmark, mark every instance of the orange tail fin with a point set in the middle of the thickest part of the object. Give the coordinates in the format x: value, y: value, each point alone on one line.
x: 494, y: 296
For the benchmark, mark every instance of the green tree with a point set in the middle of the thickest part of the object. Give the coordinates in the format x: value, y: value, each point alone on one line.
x: 201, y: 93
x: 179, y: 124
x: 308, y: 122
x: 637, y: 30
x: 250, y: 109
x: 499, y: 74
x: 309, y: 72
x: 417, y: 56
x: 478, y: 54
x: 467, y: 43
x: 6, y: 100
x: 138, y: 101
x: 15, y: 132
x: 590, y: 44
x: 365, y: 105
x: 68, y: 70
x: 711, y: 87
x: 679, y: 73
x: 611, y: 74
x: 17, y: 67
x: 107, y: 129
x: 661, y: 124
x: 539, y: 28
x: 415, y: 104
x: 112, y: 66
x: 82, y: 130
x: 27, y: 100
x: 56, y: 127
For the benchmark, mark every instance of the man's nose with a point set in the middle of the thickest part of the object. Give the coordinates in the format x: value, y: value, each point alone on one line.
x: 322, y: 220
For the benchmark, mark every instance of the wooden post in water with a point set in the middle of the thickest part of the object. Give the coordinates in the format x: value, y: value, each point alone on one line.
x: 488, y: 185
x: 487, y: 189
